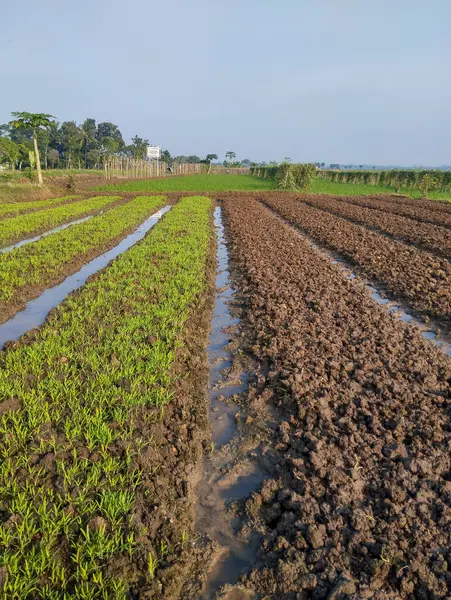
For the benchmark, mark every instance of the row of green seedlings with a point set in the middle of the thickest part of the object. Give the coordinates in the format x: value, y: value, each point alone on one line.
x: 16, y: 228
x: 10, y: 209
x: 288, y: 176
x: 423, y: 180
x: 43, y: 261
x: 90, y: 387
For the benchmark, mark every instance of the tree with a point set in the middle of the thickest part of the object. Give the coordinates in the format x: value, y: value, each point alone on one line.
x: 33, y: 122
x: 165, y: 156
x: 43, y: 143
x: 53, y: 156
x: 208, y: 160
x: 138, y: 147
x: 88, y: 136
x: 9, y: 152
x: 71, y: 139
x: 94, y: 157
x: 192, y: 159
x: 230, y: 155
x: 109, y: 138
x: 5, y: 130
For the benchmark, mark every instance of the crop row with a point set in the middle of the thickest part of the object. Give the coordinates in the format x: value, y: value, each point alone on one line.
x: 14, y: 229
x: 421, y: 279
x: 419, y: 212
x: 431, y: 205
x: 80, y: 399
x: 396, y: 178
x: 27, y: 270
x: 15, y: 208
x: 431, y: 237
x: 358, y: 505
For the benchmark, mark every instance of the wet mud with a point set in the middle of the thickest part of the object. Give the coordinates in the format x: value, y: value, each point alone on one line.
x: 355, y: 503
x: 425, y: 236
x: 430, y: 330
x: 230, y: 472
x: 424, y: 211
x: 410, y: 275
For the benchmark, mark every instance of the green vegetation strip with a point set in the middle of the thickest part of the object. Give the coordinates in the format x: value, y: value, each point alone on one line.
x: 12, y: 230
x: 198, y: 183
x: 82, y: 390
x: 326, y: 186
x: 44, y: 261
x: 16, y: 208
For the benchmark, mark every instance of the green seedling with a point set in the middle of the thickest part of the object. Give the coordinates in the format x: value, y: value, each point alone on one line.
x: 72, y: 396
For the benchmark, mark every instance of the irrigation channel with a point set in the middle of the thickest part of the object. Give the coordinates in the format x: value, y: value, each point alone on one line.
x: 36, y: 311
x: 429, y: 331
x: 46, y: 233
x: 226, y: 478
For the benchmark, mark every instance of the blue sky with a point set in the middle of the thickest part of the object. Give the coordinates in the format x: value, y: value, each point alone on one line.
x: 362, y: 81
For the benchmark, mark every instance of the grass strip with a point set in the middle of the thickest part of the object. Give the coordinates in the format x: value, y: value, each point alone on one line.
x: 12, y: 230
x: 11, y: 209
x: 70, y: 488
x: 42, y: 262
x: 201, y: 183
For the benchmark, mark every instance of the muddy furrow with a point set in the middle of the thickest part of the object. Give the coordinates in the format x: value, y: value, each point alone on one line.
x: 358, y: 505
x: 424, y: 235
x: 431, y: 205
x: 415, y: 277
x: 411, y: 210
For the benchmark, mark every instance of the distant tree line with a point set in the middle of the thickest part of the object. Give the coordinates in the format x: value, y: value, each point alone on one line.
x: 67, y: 145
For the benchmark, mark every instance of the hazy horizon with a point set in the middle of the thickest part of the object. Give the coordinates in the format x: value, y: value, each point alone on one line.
x: 329, y: 83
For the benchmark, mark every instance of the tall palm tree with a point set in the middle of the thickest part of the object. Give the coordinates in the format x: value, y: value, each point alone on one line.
x: 208, y: 160
x: 230, y: 155
x: 33, y: 121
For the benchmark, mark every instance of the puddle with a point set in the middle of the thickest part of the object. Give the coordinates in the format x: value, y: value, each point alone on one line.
x: 36, y: 311
x: 398, y: 310
x: 222, y: 414
x: 427, y: 330
x: 213, y: 519
x: 45, y: 234
x: 220, y: 484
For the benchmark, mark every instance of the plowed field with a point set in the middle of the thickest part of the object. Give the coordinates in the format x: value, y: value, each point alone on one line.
x: 358, y: 502
x: 299, y: 452
x: 415, y: 276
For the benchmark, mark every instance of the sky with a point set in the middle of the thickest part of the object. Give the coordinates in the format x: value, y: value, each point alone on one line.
x: 341, y: 81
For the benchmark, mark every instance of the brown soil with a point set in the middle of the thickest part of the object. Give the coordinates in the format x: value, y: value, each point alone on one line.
x: 359, y: 502
x: 419, y: 210
x: 434, y: 205
x: 423, y: 235
x: 415, y: 277
x: 12, y: 194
